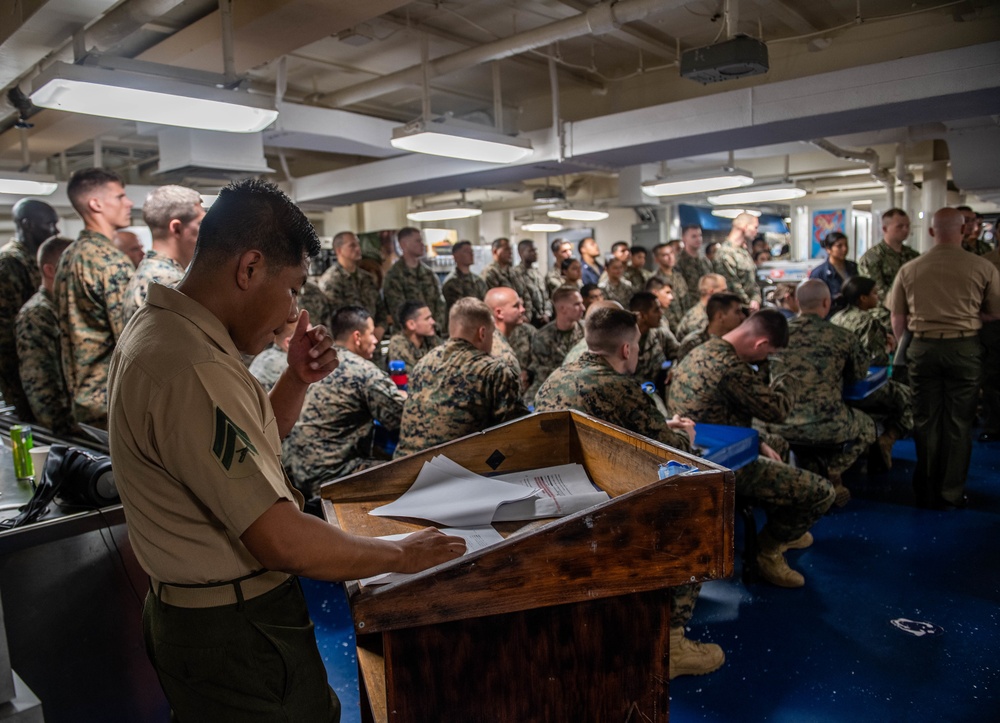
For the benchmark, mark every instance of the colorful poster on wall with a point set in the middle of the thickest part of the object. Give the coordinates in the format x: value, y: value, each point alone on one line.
x: 823, y: 222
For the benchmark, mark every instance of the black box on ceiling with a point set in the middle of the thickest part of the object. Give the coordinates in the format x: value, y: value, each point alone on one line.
x: 740, y: 57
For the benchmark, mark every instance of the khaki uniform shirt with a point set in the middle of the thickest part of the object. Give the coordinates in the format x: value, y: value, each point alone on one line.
x: 945, y: 289
x: 154, y: 268
x: 194, y: 443
x: 90, y: 289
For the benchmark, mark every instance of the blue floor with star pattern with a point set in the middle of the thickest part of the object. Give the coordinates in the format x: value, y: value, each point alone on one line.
x: 899, y: 619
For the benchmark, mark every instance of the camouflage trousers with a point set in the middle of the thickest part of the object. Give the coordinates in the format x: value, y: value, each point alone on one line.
x: 847, y: 439
x: 893, y: 403
x: 793, y: 498
x: 682, y: 600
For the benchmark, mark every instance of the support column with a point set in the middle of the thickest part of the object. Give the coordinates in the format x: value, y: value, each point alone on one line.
x: 932, y: 197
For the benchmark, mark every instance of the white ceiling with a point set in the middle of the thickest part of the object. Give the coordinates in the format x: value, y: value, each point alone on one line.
x: 915, y: 77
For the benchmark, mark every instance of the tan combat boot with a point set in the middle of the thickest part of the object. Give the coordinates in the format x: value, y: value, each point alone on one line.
x: 885, y: 442
x: 799, y: 543
x: 689, y: 657
x: 772, y: 564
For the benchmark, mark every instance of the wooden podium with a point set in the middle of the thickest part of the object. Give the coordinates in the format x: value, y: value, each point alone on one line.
x: 567, y: 619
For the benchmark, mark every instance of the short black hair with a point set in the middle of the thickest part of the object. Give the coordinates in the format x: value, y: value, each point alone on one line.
x: 406, y: 231
x: 523, y: 244
x: 721, y: 302
x: 636, y: 249
x: 255, y: 214
x: 348, y: 319
x: 642, y: 301
x: 893, y: 212
x: 831, y: 238
x: 855, y: 288
x: 771, y: 324
x: 606, y: 328
x: 499, y: 242
x: 709, y: 246
x: 655, y: 283
x: 408, y: 310
x: 688, y: 226
x: 658, y: 247
x: 85, y: 181
x: 587, y: 288
x: 619, y: 245
x: 566, y: 263
x: 459, y: 245
x: 581, y: 242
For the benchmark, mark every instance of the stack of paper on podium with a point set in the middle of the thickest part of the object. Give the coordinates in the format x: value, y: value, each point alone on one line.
x: 565, y: 615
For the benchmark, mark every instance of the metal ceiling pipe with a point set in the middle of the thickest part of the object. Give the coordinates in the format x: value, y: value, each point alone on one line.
x: 596, y: 21
x: 868, y: 156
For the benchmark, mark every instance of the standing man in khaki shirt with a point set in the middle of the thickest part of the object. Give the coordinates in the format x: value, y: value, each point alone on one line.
x: 943, y: 297
x: 196, y: 446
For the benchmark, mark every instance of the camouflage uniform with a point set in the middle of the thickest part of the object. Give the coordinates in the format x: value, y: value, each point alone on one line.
x: 695, y: 319
x: 621, y: 292
x: 357, y: 289
x: 675, y: 312
x: 739, y: 270
x: 402, y: 284
x: 553, y: 280
x: 154, y: 268
x: 637, y: 277
x: 268, y: 366
x: 91, y: 286
x: 881, y: 264
x: 893, y: 400
x: 19, y: 278
x: 549, y: 347
x: 401, y: 348
x: 503, y: 351
x: 312, y: 299
x: 333, y: 436
x: 41, y: 367
x: 713, y: 385
x: 496, y: 275
x: 825, y: 357
x: 458, y: 286
x: 520, y: 341
x: 656, y: 347
x: 536, y: 298
x: 456, y: 390
x: 976, y: 246
x: 692, y: 341
x: 575, y: 353
x: 591, y: 386
x: 692, y: 268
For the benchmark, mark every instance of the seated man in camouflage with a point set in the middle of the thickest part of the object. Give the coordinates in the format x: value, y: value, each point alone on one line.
x: 416, y: 337
x: 828, y: 357
x: 334, y: 434
x: 38, y: 350
x: 173, y: 214
x: 551, y: 343
x: 657, y: 345
x: 695, y: 318
x: 893, y: 401
x: 459, y: 387
x: 725, y: 312
x: 715, y: 384
x: 602, y: 383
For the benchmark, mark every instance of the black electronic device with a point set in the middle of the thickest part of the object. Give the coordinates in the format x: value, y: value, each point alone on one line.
x: 740, y: 57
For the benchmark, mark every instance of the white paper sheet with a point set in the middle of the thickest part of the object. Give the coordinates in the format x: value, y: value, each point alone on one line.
x: 562, y: 490
x: 448, y: 494
x: 476, y: 538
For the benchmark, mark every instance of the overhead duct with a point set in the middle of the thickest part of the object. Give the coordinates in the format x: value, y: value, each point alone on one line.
x: 188, y: 152
x: 868, y: 156
x: 596, y: 21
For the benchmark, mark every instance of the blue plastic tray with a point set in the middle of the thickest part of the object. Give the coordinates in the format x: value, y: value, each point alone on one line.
x: 877, y: 377
x: 731, y: 447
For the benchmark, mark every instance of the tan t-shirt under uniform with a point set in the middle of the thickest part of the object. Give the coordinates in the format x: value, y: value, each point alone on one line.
x: 194, y: 445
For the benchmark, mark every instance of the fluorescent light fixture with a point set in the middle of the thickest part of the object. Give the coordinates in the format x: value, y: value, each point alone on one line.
x: 784, y: 191
x: 26, y: 184
x: 682, y: 184
x: 577, y: 214
x: 733, y: 212
x: 541, y: 227
x: 449, y: 213
x: 439, y: 139
x: 149, y: 99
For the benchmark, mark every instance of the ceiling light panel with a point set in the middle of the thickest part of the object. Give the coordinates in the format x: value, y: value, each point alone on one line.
x: 577, y: 214
x: 683, y: 184
x: 438, y: 139
x: 761, y: 194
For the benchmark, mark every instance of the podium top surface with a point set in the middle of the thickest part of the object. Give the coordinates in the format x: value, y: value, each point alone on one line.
x: 651, y: 534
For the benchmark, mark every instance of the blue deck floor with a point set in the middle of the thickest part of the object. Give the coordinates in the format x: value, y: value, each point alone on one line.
x: 829, y: 651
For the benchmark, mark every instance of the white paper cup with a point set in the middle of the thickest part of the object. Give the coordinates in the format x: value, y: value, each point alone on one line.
x: 38, y: 457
